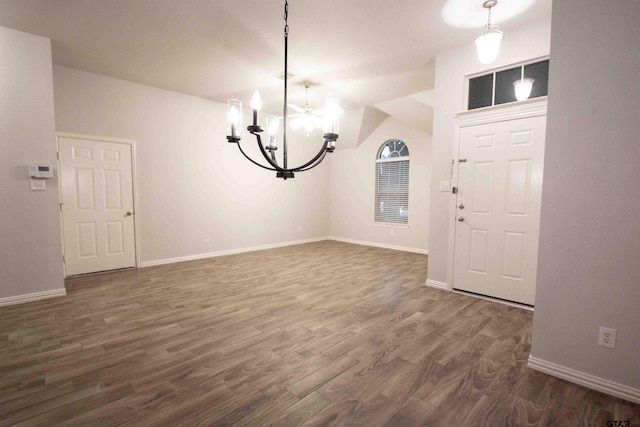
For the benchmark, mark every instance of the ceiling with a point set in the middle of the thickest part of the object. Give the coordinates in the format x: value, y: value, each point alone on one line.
x: 370, y: 52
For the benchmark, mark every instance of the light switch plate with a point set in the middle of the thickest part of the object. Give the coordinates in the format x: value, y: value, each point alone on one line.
x: 445, y: 186
x: 38, y: 184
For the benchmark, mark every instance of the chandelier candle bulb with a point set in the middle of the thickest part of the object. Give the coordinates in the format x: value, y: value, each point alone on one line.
x: 256, y: 103
x: 272, y: 129
x: 234, y: 118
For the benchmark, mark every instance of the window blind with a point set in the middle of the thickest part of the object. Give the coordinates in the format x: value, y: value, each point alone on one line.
x: 392, y: 191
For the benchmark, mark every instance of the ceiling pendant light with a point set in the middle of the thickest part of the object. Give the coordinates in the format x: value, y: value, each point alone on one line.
x: 234, y: 119
x: 488, y: 44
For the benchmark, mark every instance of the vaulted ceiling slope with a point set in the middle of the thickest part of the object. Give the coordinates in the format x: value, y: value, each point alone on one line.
x: 368, y: 51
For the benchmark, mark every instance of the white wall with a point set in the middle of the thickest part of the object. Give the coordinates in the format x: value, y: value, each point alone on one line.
x: 31, y: 254
x: 589, y: 259
x: 352, y: 180
x: 191, y: 182
x: 528, y: 42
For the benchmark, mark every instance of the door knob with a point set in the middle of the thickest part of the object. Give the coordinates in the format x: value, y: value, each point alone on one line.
x: 461, y: 206
x: 129, y: 213
x: 460, y: 218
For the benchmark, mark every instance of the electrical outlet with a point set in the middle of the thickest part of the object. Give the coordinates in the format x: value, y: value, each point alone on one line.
x: 607, y: 337
x: 206, y: 238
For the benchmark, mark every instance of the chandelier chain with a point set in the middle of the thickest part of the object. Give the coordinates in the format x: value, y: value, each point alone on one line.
x: 286, y: 18
x: 489, y: 20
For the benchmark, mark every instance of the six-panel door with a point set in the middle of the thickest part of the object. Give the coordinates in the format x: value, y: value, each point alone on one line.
x: 97, y: 205
x: 498, y: 208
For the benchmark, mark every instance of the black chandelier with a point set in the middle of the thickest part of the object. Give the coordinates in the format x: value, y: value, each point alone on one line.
x: 234, y: 118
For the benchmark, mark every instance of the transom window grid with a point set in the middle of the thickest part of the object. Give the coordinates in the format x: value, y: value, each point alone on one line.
x: 392, y: 183
x: 496, y: 87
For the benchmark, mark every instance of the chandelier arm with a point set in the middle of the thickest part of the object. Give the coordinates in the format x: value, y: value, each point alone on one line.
x: 315, y: 164
x: 320, y: 154
x: 253, y: 161
x: 272, y: 160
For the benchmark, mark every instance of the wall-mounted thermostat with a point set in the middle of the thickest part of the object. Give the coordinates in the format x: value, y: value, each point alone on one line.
x: 40, y: 171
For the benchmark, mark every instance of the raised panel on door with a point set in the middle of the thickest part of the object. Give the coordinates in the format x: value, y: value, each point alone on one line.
x: 97, y: 202
x: 115, y: 242
x: 513, y: 255
x: 87, y: 238
x: 481, y: 187
x: 517, y: 186
x: 85, y: 197
x: 479, y: 251
x: 112, y: 189
x: 498, y: 208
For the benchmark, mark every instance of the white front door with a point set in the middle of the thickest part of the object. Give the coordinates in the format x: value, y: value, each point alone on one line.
x: 96, y: 185
x: 498, y: 208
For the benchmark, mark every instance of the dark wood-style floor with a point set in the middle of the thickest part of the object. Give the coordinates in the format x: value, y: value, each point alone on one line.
x: 318, y: 334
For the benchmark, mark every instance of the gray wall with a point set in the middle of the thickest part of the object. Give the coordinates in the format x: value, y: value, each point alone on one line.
x: 589, y: 259
x: 31, y: 260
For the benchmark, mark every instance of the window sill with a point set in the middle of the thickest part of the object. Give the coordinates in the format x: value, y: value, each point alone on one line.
x: 390, y: 225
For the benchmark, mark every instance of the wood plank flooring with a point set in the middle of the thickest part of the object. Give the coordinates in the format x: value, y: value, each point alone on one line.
x: 318, y: 334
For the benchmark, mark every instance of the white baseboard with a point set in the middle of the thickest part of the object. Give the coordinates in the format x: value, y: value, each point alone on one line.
x: 587, y: 380
x: 380, y: 245
x: 228, y: 252
x: 37, y: 296
x: 276, y: 245
x: 436, y: 284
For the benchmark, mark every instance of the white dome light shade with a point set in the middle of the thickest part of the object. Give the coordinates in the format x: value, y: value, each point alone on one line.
x: 488, y: 45
x: 522, y: 88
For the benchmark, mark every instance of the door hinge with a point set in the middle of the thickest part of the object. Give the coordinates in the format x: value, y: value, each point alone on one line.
x: 58, y: 155
x: 64, y: 259
x: 454, y: 190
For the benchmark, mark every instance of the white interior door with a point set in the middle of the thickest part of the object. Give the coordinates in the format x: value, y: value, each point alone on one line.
x: 498, y: 208
x: 97, y: 205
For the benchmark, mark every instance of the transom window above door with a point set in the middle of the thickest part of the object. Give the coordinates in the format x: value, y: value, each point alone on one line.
x: 501, y: 86
x: 392, y: 183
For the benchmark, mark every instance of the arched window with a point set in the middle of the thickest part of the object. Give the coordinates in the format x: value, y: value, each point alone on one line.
x: 392, y: 183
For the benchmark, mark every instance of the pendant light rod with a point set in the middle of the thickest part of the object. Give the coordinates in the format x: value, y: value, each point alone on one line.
x: 285, y: 108
x: 488, y: 5
x: 234, y: 118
